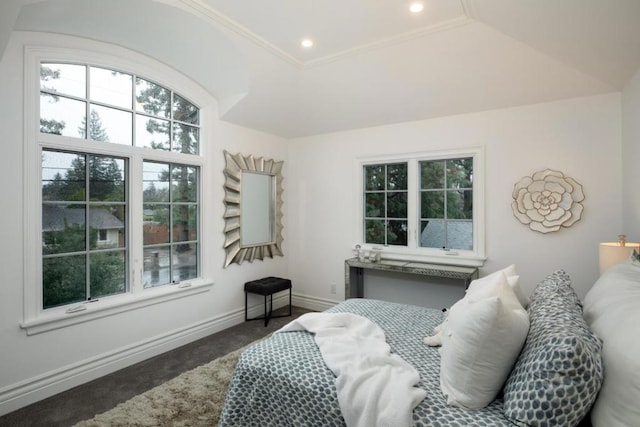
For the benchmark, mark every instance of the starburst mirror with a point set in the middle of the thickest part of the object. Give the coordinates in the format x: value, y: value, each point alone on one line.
x: 253, y: 208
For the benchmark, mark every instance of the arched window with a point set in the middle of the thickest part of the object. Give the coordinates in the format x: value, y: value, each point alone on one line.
x: 119, y: 191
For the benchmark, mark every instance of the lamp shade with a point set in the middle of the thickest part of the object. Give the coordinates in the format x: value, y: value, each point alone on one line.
x: 611, y: 253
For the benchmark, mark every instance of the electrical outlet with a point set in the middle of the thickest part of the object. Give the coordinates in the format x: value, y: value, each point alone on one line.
x: 333, y: 288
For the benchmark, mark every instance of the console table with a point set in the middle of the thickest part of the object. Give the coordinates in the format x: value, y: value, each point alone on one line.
x: 354, y: 272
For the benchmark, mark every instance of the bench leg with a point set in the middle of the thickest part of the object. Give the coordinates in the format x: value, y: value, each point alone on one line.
x: 266, y: 318
x: 268, y: 311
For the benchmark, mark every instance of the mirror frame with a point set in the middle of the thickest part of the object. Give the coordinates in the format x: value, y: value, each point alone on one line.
x: 235, y: 164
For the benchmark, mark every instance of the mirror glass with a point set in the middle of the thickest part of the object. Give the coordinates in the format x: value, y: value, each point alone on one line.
x: 257, y: 212
x: 253, y: 208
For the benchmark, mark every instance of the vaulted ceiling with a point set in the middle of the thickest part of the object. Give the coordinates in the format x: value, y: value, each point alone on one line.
x: 375, y: 63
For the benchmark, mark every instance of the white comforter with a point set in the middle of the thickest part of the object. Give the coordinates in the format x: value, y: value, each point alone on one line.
x: 374, y: 387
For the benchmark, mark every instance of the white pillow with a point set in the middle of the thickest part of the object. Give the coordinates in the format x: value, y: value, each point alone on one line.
x: 513, y: 279
x: 514, y: 282
x: 481, y: 341
x: 611, y: 310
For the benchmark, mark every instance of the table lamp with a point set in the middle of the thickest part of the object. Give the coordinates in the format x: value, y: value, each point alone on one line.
x: 612, y: 253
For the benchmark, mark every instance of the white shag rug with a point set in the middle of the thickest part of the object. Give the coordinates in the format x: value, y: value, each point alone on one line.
x: 194, y: 398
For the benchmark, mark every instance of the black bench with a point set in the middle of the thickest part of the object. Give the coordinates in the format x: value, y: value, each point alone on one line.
x: 266, y: 286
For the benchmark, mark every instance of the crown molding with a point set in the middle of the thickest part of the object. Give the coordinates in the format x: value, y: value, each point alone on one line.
x: 468, y: 9
x: 199, y: 7
x: 399, y: 38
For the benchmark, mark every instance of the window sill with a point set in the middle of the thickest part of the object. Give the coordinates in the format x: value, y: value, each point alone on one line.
x: 84, y: 312
x: 449, y: 257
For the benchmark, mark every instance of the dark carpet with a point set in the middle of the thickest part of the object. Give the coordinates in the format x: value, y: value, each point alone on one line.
x: 87, y: 400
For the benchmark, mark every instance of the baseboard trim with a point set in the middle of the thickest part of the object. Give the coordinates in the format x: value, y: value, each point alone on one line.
x: 281, y: 299
x: 24, y: 393
x: 313, y: 303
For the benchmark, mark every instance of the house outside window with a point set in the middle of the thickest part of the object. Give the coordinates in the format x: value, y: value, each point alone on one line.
x: 446, y: 203
x: 81, y: 207
x: 424, y: 207
x: 103, y: 236
x: 97, y: 128
x: 88, y: 193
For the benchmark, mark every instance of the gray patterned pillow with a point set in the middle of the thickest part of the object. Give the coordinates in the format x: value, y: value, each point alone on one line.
x: 559, y: 371
x: 556, y: 283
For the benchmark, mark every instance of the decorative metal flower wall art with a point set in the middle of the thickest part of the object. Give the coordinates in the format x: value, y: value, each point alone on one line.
x: 547, y: 201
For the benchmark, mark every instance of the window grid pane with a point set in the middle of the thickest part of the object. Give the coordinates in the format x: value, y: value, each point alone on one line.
x: 170, y: 218
x: 120, y: 112
x: 151, y: 98
x: 64, y: 116
x: 185, y: 111
x: 396, y: 177
x: 374, y: 177
x: 397, y: 233
x: 108, y: 222
x: 374, y: 205
x: 185, y: 139
x: 184, y: 262
x: 85, y: 195
x: 153, y: 133
x: 375, y: 231
x: 68, y: 79
x: 63, y: 280
x: 446, y: 203
x: 110, y: 125
x: 108, y: 273
x: 111, y: 87
x: 84, y: 242
x: 385, y: 199
x: 63, y: 176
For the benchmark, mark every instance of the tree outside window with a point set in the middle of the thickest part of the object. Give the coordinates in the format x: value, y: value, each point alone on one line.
x: 386, y: 204
x: 170, y: 223
x: 446, y: 203
x: 85, y: 201
x: 421, y: 203
x: 83, y: 197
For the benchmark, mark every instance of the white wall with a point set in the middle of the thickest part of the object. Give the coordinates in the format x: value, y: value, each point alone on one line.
x: 36, y: 366
x: 579, y: 137
x: 631, y: 158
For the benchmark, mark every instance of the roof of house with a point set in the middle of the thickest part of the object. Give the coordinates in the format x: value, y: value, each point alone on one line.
x: 54, y: 218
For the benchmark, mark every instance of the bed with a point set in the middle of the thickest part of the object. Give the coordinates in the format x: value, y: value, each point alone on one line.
x: 283, y: 380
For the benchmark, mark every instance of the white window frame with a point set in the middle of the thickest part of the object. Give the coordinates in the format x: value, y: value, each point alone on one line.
x: 52, y: 48
x: 413, y: 251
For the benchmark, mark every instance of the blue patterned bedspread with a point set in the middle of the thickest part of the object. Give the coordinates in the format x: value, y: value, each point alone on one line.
x: 283, y: 380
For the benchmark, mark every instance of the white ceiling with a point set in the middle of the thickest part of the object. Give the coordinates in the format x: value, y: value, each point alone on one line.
x: 373, y: 63
x: 338, y: 27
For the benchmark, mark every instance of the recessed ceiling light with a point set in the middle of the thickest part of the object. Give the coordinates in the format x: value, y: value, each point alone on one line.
x: 416, y: 7
x: 306, y: 43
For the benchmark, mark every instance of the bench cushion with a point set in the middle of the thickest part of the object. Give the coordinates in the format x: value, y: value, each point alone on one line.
x: 267, y: 285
